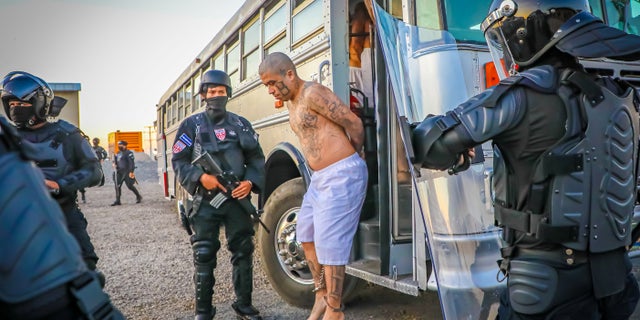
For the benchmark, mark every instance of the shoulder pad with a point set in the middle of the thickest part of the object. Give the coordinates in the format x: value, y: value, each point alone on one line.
x: 68, y: 127
x: 236, y: 119
x: 540, y: 78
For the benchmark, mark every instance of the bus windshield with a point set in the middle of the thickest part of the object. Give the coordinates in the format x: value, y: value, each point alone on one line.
x: 462, y: 18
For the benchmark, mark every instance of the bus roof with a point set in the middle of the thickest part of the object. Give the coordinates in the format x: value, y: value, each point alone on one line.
x: 244, y: 13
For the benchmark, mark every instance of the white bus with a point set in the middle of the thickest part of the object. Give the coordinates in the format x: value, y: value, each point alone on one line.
x: 391, y: 247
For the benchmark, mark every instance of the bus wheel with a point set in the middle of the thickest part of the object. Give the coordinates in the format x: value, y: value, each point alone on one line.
x: 284, y: 261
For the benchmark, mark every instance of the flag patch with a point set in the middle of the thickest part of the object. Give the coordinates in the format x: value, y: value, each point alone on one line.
x: 178, y: 146
x: 220, y: 134
x: 185, y: 138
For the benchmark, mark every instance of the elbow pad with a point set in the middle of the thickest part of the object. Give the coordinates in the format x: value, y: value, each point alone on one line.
x: 439, y: 140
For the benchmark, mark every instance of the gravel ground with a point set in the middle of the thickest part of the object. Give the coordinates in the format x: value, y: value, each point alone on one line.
x: 146, y: 257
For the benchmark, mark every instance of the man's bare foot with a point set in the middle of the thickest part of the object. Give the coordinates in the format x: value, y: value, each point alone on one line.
x: 318, y: 306
x: 333, y: 314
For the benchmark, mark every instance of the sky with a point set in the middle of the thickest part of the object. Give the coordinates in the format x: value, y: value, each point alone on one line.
x: 124, y: 53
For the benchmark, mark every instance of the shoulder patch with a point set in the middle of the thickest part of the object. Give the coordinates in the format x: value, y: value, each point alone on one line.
x: 185, y: 138
x: 178, y: 146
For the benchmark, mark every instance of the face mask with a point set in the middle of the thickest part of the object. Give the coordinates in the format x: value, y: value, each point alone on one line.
x: 21, y: 115
x: 216, y: 108
x: 121, y: 148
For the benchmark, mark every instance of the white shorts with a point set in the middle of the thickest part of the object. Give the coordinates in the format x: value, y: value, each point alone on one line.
x: 331, y: 209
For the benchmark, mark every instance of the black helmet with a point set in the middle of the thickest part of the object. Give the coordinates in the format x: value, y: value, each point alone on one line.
x: 123, y: 143
x: 519, y: 32
x: 215, y: 77
x: 19, y: 85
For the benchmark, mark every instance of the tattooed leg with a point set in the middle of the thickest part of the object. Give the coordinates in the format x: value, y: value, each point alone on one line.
x: 319, y: 277
x: 334, y: 276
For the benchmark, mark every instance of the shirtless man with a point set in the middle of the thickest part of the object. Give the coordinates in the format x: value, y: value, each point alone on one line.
x: 331, y: 137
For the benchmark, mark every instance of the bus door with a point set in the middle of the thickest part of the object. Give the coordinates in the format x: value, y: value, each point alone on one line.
x: 431, y: 73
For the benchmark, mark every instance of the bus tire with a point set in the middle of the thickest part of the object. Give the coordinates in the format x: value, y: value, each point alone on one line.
x: 292, y: 279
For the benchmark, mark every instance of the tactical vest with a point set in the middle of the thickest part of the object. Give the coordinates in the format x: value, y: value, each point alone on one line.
x: 230, y: 155
x: 583, y: 188
x: 49, y: 153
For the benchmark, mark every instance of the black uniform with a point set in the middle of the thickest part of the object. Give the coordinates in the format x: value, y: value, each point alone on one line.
x: 234, y: 144
x: 125, y: 164
x: 65, y: 157
x: 566, y: 147
x: 102, y: 155
x: 42, y: 274
x: 100, y: 152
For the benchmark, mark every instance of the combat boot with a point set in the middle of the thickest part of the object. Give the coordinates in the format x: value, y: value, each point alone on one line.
x: 247, y: 312
x: 202, y: 316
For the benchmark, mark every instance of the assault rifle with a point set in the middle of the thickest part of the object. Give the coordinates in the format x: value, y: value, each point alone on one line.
x: 115, y: 176
x: 230, y: 182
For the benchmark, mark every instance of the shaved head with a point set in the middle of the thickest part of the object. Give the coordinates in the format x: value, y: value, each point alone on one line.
x: 278, y: 63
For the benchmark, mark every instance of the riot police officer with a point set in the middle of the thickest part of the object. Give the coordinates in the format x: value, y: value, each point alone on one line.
x: 42, y: 274
x: 125, y: 165
x: 101, y: 154
x: 566, y: 155
x: 61, y: 151
x: 233, y: 143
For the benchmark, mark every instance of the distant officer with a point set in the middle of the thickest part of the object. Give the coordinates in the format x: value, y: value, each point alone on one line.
x: 231, y: 140
x: 42, y: 274
x: 62, y: 153
x: 102, y: 155
x: 124, y: 163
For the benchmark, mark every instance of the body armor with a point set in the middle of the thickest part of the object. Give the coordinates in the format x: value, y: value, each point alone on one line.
x: 583, y: 188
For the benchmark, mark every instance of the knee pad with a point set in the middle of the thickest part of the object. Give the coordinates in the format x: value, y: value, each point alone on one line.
x: 204, y: 252
x: 536, y: 287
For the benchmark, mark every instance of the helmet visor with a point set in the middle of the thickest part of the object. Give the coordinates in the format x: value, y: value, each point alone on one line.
x: 500, y: 53
x: 20, y: 86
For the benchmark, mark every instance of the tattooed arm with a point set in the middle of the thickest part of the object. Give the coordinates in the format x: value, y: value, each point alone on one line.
x: 327, y: 104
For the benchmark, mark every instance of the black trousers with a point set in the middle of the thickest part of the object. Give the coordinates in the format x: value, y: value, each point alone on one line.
x: 124, y: 178
x: 77, y: 225
x: 205, y: 242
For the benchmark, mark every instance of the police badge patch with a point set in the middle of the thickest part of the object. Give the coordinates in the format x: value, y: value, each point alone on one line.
x: 220, y: 133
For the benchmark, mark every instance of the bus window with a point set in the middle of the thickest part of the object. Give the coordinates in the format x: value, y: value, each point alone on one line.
x: 195, y: 93
x: 274, y: 23
x: 174, y: 111
x: 279, y: 45
x: 251, y: 54
x: 596, y: 8
x: 218, y: 62
x: 463, y: 19
x: 633, y: 24
x: 180, y: 104
x: 233, y: 64
x: 306, y: 19
x: 188, y: 96
x: 427, y: 15
x: 623, y: 15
